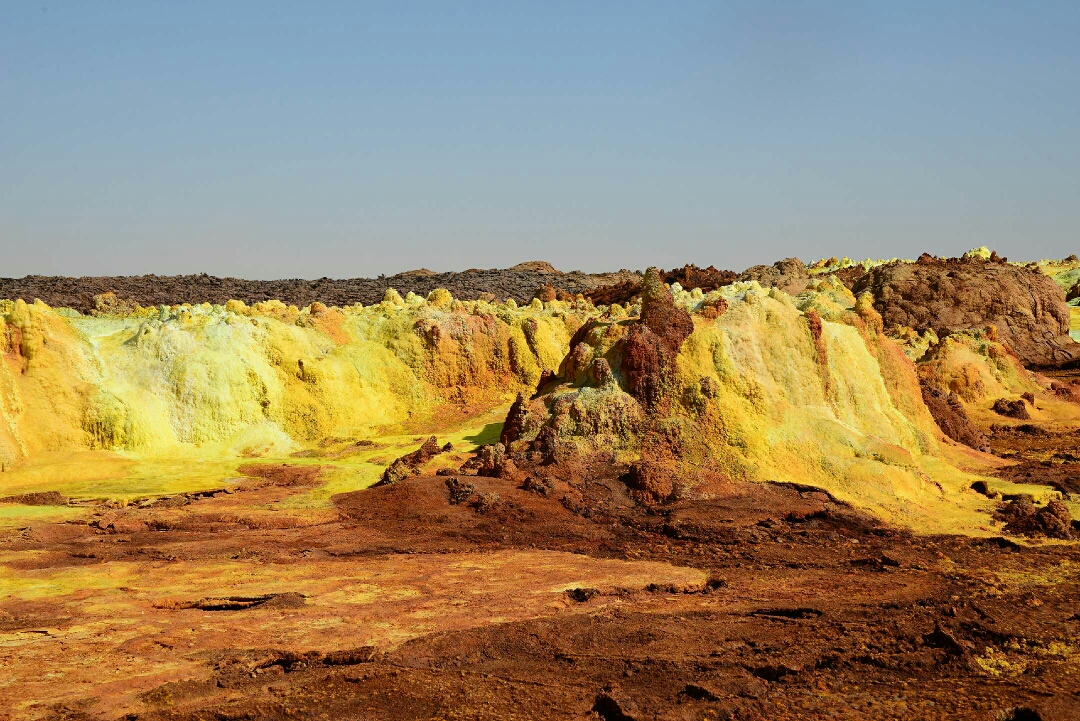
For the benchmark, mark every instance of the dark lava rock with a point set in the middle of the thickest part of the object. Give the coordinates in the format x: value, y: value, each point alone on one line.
x: 543, y: 486
x: 581, y: 595
x: 520, y: 283
x: 612, y: 705
x: 1024, y: 518
x: 460, y: 491
x: 1011, y: 409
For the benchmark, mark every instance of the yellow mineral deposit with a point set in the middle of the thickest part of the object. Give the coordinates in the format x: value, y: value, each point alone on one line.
x: 138, y: 402
x: 172, y: 399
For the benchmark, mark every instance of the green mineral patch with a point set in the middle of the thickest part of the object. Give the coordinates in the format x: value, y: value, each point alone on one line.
x: 364, y: 466
x: 14, y: 516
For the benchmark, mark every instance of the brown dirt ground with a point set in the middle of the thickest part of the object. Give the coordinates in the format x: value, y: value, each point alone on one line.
x: 765, y: 602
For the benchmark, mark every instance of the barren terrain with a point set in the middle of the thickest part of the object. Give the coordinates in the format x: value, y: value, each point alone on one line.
x: 709, y: 500
x: 765, y: 602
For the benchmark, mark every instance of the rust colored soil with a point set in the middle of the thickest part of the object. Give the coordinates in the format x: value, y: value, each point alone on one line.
x: 570, y: 601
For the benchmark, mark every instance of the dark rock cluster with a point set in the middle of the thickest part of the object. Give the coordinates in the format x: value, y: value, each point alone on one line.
x: 689, y: 277
x: 1023, y: 517
x: 521, y: 283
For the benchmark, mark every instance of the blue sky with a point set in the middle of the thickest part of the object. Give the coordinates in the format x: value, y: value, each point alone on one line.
x: 265, y: 139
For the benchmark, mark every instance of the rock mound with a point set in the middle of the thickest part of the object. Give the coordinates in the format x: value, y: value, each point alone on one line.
x: 653, y: 343
x: 949, y: 295
x: 1011, y: 409
x: 411, y: 463
x: 688, y: 277
x: 538, y: 266
x: 789, y: 275
x: 1024, y: 518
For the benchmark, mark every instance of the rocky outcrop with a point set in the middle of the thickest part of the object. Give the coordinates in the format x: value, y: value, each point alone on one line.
x: 622, y: 293
x: 789, y: 275
x: 1024, y: 518
x: 515, y: 421
x: 411, y: 463
x: 1026, y: 308
x: 653, y: 343
x: 1011, y: 409
x: 688, y: 277
x: 952, y: 419
x: 651, y: 482
x: 490, y: 460
x: 691, y: 276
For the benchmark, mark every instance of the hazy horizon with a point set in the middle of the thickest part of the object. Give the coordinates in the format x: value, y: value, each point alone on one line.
x: 402, y: 271
x: 264, y: 140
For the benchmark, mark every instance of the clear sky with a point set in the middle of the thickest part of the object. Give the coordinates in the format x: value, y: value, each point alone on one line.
x: 306, y: 139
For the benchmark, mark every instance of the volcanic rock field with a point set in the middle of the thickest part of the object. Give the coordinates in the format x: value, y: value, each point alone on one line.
x: 835, y: 490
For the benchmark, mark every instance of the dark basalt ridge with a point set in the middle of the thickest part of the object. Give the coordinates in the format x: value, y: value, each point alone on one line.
x: 521, y: 283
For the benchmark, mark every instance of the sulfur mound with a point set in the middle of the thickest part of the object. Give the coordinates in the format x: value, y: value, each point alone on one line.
x: 262, y: 380
x: 975, y: 367
x: 677, y: 392
x: 687, y: 391
x: 1026, y: 307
